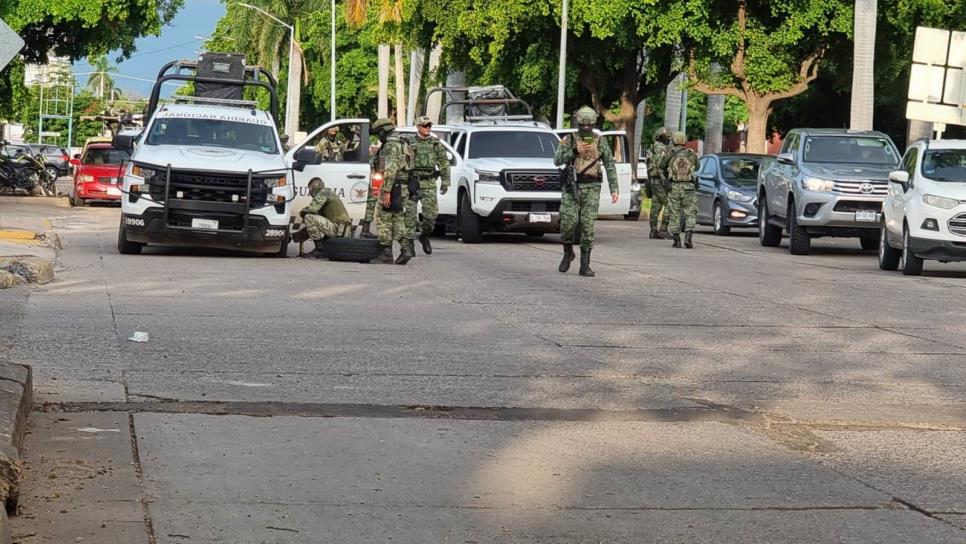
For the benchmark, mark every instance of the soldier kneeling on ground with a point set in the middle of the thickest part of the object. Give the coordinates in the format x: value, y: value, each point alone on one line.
x: 325, y: 217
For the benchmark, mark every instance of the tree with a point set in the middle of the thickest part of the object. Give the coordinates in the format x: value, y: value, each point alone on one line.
x: 100, y: 80
x: 863, y: 83
x: 772, y: 49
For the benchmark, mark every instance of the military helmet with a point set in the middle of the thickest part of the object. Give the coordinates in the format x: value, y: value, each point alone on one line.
x: 586, y: 116
x: 662, y: 134
x: 383, y: 124
x: 423, y: 120
x: 679, y: 138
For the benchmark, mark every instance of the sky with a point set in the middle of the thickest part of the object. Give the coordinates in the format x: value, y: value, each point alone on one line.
x: 177, y: 41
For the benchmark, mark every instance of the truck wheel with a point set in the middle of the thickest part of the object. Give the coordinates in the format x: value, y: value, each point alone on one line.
x: 77, y: 201
x: 282, y: 251
x: 720, y: 227
x: 472, y: 233
x: 352, y: 250
x: 768, y: 235
x: 124, y: 247
x: 633, y: 216
x: 869, y: 243
x: 911, y: 265
x: 888, y: 256
x: 799, y: 242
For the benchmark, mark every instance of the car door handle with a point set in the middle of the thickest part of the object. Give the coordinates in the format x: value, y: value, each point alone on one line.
x: 356, y: 176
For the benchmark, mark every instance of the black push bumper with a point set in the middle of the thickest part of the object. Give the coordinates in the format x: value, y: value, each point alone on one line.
x: 256, y: 234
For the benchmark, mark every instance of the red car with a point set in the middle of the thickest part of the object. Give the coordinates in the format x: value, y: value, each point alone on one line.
x: 99, y: 174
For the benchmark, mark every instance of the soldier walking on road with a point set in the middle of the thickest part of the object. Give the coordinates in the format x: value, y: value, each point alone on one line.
x: 583, y: 152
x: 325, y: 217
x: 679, y: 165
x: 391, y: 219
x: 430, y: 162
x: 658, y: 184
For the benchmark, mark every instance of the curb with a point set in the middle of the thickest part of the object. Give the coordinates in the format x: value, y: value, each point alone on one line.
x: 16, y: 400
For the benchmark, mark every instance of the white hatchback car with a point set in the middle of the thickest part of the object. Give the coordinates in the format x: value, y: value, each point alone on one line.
x: 924, y: 214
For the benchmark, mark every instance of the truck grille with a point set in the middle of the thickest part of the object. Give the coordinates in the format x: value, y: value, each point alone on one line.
x: 532, y: 206
x: 206, y: 187
x: 868, y: 188
x: 858, y: 205
x: 533, y: 181
x: 957, y: 225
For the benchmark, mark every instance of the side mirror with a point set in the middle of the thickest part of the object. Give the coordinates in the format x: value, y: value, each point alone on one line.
x: 901, y: 177
x: 786, y: 158
x: 306, y: 157
x: 123, y: 141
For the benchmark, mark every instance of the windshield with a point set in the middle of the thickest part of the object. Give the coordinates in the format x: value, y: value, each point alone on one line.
x: 213, y: 133
x: 742, y: 172
x: 512, y: 145
x: 103, y: 155
x: 850, y: 150
x: 945, y: 165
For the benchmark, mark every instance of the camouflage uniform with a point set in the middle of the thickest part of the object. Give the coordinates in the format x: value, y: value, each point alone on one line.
x: 429, y: 157
x: 587, y: 166
x: 392, y: 162
x: 679, y: 165
x: 658, y: 184
x: 332, y: 148
x: 326, y: 216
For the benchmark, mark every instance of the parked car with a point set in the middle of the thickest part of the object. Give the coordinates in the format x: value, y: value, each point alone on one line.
x: 56, y: 159
x: 727, y: 185
x: 924, y: 215
x: 825, y: 182
x: 99, y: 174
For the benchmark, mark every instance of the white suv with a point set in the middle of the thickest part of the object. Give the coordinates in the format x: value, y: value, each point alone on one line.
x: 924, y: 215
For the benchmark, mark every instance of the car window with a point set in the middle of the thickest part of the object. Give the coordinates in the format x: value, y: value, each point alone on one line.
x: 740, y: 170
x: 249, y: 135
x: 461, y: 146
x: 909, y: 161
x: 512, y: 144
x: 102, y: 155
x: 945, y: 165
x: 339, y: 143
x: 849, y: 150
x: 790, y: 145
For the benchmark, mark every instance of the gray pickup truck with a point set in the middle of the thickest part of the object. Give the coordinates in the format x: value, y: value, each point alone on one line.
x: 825, y: 182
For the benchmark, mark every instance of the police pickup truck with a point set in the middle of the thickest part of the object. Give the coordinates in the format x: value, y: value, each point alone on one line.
x: 209, y: 170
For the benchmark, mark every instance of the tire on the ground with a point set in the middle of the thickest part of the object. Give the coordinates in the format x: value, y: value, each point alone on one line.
x: 768, y: 235
x: 357, y: 250
x: 124, y: 247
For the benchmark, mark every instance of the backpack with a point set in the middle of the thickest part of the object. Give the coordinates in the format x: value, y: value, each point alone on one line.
x: 681, y: 168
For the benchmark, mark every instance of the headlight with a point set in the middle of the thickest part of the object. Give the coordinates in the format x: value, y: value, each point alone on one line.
x: 738, y: 196
x: 143, y: 172
x: 488, y: 177
x: 940, y: 201
x: 275, y: 182
x: 278, y: 190
x: 86, y: 178
x: 818, y: 185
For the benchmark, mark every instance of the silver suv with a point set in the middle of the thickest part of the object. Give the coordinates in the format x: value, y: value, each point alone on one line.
x: 825, y: 182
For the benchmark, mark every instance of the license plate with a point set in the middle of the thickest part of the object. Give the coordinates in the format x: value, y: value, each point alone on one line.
x: 866, y: 216
x: 204, y: 224
x: 539, y: 217
x: 113, y: 191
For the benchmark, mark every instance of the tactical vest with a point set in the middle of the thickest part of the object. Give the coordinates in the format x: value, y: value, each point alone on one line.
x: 657, y: 155
x: 680, y: 167
x: 425, y: 154
x: 334, y: 210
x: 588, y: 164
x: 405, y: 148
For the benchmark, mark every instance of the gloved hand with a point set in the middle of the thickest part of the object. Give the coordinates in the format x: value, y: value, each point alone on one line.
x: 302, y: 213
x: 443, y: 189
x: 300, y: 236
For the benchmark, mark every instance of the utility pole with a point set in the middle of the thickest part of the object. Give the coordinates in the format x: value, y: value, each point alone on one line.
x: 562, y: 71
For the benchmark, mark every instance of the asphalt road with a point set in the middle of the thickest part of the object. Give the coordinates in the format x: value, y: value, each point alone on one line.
x: 728, y: 393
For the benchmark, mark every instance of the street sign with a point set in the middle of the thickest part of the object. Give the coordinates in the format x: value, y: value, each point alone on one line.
x: 937, y: 82
x: 10, y: 44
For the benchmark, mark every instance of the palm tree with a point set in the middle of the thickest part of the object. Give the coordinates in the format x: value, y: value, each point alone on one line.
x: 390, y: 11
x: 863, y: 83
x: 100, y: 80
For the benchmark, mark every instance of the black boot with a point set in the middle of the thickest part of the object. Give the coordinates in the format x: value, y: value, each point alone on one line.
x: 319, y: 251
x: 424, y: 239
x: 653, y: 235
x: 386, y: 256
x: 364, y: 228
x: 687, y: 239
x: 568, y: 257
x: 405, y: 252
x: 677, y: 241
x: 664, y: 234
x: 585, y: 263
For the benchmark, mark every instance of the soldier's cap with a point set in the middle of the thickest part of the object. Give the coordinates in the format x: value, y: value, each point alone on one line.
x: 662, y: 132
x: 383, y: 124
x: 424, y: 121
x: 679, y: 138
x: 586, y: 116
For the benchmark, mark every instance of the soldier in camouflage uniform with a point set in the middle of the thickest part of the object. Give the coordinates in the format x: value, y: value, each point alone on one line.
x: 679, y: 165
x: 431, y: 162
x: 658, y: 184
x: 325, y: 217
x: 332, y: 146
x: 372, y: 197
x: 590, y: 157
x: 391, y: 160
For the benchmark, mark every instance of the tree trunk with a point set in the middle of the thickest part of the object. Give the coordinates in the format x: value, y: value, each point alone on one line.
x: 863, y: 77
x: 416, y: 63
x: 714, y: 124
x: 918, y: 130
x: 672, y: 103
x: 758, y: 111
x: 400, y: 86
x: 297, y: 94
x: 435, y: 102
x: 383, y: 102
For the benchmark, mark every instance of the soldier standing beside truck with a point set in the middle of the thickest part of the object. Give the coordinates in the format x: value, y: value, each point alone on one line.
x: 430, y: 162
x: 392, y: 161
